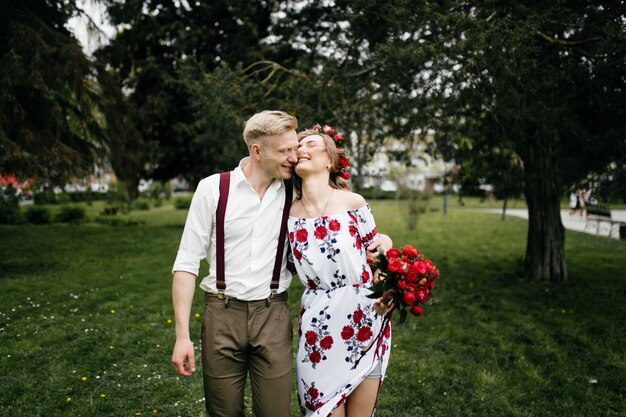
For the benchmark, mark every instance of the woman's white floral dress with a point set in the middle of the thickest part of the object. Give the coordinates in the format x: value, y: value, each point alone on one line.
x: 342, y: 338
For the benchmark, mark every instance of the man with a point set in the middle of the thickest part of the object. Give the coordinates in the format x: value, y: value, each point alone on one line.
x: 245, y: 331
x: 246, y: 325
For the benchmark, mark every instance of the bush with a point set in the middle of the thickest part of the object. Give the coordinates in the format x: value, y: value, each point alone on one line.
x: 10, y: 214
x: 182, y: 203
x: 71, y: 214
x: 38, y: 215
x: 140, y: 204
x: 10, y: 206
x: 45, y: 196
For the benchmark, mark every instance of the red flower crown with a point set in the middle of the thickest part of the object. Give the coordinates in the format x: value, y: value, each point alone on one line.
x: 342, y: 165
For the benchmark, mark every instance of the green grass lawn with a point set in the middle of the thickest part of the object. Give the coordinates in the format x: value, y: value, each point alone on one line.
x: 85, y: 325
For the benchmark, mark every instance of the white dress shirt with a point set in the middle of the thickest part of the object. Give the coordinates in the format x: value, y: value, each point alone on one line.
x: 251, y: 229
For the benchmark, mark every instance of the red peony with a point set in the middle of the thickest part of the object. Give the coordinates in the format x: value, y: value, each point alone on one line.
x: 310, y: 337
x: 422, y: 295
x: 409, y: 298
x: 334, y: 225
x: 396, y: 265
x: 320, y: 232
x: 315, y: 357
x: 347, y: 332
x: 430, y: 283
x: 416, y: 311
x: 421, y: 267
x: 302, y: 235
x: 393, y: 253
x: 410, y: 251
x: 343, y: 161
x: 401, y: 284
x: 345, y: 175
x: 411, y: 275
x: 313, y: 393
x: 365, y: 334
x: 326, y: 343
x: 357, y: 316
x: 338, y: 138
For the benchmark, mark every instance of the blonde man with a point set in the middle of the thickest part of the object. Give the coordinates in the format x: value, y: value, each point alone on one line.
x: 246, y: 326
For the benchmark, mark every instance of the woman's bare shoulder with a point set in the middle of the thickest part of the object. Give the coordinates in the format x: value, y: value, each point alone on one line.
x: 350, y: 200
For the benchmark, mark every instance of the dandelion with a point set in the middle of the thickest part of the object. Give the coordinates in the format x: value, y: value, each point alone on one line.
x: 110, y: 347
x: 154, y: 411
x: 197, y: 315
x: 112, y: 311
x: 83, y: 379
x: 138, y: 413
x: 169, y: 321
x: 103, y: 395
x: 68, y: 399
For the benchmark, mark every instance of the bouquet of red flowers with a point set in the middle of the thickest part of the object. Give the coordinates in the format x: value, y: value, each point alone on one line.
x: 405, y: 277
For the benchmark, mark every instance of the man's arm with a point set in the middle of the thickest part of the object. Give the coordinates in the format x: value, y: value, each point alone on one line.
x: 183, y: 287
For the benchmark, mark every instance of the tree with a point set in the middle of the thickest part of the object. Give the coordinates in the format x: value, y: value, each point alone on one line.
x: 162, y: 37
x: 540, y: 81
x: 48, y: 128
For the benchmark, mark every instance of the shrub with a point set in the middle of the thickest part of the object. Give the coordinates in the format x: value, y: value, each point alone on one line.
x: 45, y: 196
x: 140, y: 204
x: 109, y: 211
x: 37, y: 215
x: 182, y: 203
x: 10, y: 206
x: 71, y: 214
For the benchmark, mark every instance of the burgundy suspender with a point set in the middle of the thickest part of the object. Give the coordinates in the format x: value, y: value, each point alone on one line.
x: 219, y: 234
x: 219, y: 231
x: 281, y: 237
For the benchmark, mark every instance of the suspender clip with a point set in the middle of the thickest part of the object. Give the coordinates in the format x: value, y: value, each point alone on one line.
x: 220, y: 295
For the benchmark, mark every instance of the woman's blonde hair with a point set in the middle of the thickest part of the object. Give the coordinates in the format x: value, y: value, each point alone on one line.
x: 267, y: 123
x: 335, y: 180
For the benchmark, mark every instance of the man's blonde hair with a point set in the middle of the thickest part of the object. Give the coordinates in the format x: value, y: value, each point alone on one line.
x: 268, y: 123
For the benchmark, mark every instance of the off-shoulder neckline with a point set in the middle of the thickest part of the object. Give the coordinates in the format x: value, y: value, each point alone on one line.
x: 328, y: 215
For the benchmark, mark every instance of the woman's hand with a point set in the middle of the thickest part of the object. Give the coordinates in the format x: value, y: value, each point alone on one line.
x: 383, y: 307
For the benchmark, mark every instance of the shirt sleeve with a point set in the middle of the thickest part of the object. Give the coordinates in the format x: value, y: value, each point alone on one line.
x: 366, y: 225
x: 195, y: 242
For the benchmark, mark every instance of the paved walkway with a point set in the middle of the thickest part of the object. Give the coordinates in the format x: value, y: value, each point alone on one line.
x: 574, y: 222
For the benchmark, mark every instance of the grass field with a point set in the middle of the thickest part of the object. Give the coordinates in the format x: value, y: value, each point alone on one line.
x: 85, y: 322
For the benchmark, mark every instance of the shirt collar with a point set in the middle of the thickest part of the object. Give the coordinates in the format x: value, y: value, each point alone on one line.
x: 239, y: 177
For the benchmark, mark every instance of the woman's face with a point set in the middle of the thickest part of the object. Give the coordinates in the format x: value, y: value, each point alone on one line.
x: 312, y: 155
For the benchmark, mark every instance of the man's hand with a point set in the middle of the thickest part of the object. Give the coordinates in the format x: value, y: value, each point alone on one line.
x: 383, y: 242
x: 183, y: 357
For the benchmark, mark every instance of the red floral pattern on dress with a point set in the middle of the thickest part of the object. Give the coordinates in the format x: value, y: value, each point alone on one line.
x: 317, y: 340
x: 357, y: 333
x: 312, y: 398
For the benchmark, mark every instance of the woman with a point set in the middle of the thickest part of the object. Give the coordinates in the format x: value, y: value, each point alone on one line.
x: 345, y: 337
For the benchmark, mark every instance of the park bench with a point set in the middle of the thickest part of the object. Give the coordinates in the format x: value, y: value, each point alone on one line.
x: 599, y: 218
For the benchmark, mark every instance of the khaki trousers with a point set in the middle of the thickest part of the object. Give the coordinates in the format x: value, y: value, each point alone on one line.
x: 241, y: 337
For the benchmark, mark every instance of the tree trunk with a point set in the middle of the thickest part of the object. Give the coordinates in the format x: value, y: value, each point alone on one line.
x: 545, y: 255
